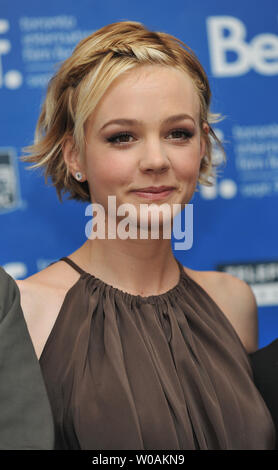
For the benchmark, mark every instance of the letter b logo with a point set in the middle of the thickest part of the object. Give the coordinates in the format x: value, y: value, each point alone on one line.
x: 227, y: 34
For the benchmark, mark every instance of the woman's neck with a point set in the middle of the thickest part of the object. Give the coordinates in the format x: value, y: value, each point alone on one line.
x: 139, y: 267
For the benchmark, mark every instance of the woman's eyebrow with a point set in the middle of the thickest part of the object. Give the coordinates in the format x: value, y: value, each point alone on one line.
x: 133, y: 122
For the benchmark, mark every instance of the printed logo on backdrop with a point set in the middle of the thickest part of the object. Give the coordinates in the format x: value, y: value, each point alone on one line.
x: 11, y: 79
x: 256, y: 159
x: 9, y: 181
x: 262, y: 278
x: 230, y: 53
x: 255, y: 149
x: 45, y: 42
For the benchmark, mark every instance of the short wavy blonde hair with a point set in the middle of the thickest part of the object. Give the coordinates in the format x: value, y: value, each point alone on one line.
x: 75, y: 90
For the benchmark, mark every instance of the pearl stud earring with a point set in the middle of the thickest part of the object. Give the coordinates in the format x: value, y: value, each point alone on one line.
x: 78, y: 176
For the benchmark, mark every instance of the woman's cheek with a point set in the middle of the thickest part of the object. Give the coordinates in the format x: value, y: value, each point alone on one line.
x: 189, y: 171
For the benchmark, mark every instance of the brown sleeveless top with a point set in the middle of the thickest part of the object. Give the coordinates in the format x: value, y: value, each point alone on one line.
x: 159, y: 372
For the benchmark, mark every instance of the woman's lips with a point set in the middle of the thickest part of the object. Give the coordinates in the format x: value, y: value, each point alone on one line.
x: 153, y: 194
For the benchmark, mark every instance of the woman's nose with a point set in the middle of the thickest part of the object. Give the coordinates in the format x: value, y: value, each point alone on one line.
x: 154, y: 158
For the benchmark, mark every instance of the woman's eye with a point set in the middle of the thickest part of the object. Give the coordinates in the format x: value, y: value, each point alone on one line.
x: 181, y: 134
x: 124, y: 137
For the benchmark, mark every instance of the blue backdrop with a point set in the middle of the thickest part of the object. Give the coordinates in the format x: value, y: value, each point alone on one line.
x: 235, y: 223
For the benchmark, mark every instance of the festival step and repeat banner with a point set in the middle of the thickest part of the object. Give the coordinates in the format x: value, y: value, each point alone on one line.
x: 235, y: 221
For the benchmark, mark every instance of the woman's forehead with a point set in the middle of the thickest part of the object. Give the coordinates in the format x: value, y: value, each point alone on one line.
x: 137, y: 91
x: 153, y: 77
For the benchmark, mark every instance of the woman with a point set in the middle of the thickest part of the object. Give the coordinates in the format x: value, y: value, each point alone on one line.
x: 138, y: 352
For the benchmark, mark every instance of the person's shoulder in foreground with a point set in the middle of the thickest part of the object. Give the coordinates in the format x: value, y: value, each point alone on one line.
x: 264, y: 363
x: 25, y: 414
x: 236, y: 300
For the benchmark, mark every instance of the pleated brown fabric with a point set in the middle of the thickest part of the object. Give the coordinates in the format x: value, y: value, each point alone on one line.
x: 160, y: 372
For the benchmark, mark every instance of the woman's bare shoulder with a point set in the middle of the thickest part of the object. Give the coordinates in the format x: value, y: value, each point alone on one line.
x: 41, y: 297
x: 55, y: 275
x: 44, y: 287
x: 236, y: 300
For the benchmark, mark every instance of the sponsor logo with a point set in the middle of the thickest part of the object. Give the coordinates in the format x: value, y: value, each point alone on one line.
x: 9, y: 181
x: 227, y: 37
x: 46, y: 41
x: 256, y: 159
x: 262, y: 278
x: 11, y: 79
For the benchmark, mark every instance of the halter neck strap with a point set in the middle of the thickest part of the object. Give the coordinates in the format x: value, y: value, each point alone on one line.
x: 72, y: 264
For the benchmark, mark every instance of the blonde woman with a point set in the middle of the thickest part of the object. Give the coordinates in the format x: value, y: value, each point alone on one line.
x: 137, y: 351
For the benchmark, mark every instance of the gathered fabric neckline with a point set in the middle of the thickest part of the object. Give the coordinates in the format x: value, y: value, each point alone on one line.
x: 126, y: 295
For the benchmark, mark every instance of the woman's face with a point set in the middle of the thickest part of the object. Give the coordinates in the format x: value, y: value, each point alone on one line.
x: 154, y: 142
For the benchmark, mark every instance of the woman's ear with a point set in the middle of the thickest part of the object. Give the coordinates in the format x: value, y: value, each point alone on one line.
x: 73, y: 160
x: 204, y: 137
